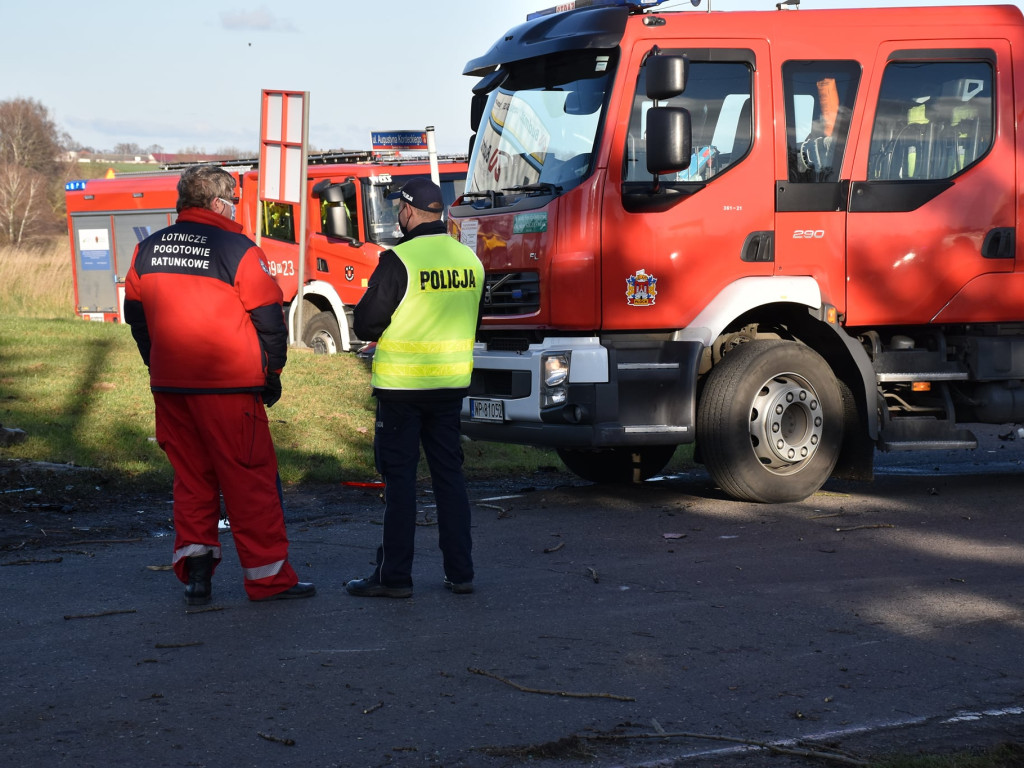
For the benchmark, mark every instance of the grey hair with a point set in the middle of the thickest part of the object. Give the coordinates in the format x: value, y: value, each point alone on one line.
x: 200, y: 184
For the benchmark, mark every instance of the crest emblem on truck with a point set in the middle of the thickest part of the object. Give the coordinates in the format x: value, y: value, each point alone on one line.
x: 641, y: 289
x: 350, y: 272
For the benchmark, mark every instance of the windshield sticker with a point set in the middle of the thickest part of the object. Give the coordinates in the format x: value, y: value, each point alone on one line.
x: 530, y: 222
x: 467, y: 234
x: 641, y: 289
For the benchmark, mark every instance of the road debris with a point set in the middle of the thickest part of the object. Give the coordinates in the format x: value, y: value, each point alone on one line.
x: 276, y: 739
x: 565, y: 694
x: 33, y: 560
x: 98, y: 615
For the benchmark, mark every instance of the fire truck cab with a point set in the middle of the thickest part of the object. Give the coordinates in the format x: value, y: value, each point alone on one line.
x: 788, y: 237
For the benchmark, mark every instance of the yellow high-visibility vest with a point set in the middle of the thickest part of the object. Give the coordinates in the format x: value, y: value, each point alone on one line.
x: 429, y: 342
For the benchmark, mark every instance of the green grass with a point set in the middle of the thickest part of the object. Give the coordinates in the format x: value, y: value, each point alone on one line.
x: 81, y: 393
x: 97, y: 170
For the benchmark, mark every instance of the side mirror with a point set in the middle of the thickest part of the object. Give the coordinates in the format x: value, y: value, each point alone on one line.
x: 336, y: 213
x: 334, y: 193
x: 320, y: 187
x: 481, y: 91
x: 336, y: 222
x: 669, y: 140
x: 476, y: 111
x: 666, y: 76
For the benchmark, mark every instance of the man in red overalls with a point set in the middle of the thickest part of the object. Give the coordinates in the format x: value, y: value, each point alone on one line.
x: 208, y: 320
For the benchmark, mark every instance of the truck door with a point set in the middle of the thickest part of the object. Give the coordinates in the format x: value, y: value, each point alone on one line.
x: 104, y: 244
x: 668, y: 254
x: 932, y: 211
x: 812, y: 187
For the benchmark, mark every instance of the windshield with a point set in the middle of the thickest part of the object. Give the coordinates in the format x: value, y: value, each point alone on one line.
x: 382, y: 214
x: 382, y: 218
x: 540, y: 126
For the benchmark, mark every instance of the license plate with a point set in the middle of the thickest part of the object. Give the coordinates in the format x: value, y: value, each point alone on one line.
x: 486, y: 410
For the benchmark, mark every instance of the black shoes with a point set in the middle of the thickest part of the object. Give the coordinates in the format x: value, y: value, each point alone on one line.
x: 199, y: 568
x: 301, y: 589
x: 458, y: 587
x: 369, y: 587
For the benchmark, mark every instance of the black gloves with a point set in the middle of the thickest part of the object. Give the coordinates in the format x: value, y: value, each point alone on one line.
x: 272, y: 389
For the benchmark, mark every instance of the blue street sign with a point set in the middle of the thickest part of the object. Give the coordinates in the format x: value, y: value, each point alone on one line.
x: 399, y: 140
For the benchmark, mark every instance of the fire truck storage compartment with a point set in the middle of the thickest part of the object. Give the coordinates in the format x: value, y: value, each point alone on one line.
x: 104, y: 244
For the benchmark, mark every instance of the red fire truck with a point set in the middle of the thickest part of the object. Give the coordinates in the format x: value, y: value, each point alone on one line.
x: 788, y: 237
x: 350, y: 221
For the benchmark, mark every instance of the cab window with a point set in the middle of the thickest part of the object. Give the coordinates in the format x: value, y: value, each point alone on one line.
x: 278, y: 222
x: 718, y: 97
x: 933, y: 120
x: 819, y: 103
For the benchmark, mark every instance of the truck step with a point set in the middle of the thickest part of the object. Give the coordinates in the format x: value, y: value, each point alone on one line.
x: 912, y: 434
x: 656, y: 428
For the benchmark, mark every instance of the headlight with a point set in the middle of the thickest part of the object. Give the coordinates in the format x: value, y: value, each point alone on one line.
x: 556, y: 369
x: 554, y: 379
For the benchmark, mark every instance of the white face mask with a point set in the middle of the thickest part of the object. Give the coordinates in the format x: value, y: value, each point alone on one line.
x: 231, y: 208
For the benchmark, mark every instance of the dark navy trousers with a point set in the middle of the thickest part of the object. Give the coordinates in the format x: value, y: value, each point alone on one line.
x: 400, y: 430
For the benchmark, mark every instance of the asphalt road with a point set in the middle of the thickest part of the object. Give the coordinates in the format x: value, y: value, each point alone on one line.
x: 870, y: 618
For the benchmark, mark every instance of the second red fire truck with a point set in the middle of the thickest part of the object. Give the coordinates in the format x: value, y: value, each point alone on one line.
x: 350, y: 221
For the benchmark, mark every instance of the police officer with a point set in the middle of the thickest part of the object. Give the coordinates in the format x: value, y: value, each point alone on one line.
x: 422, y: 306
x: 207, y: 318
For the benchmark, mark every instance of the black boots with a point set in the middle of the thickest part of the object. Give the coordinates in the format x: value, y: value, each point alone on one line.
x: 199, y: 569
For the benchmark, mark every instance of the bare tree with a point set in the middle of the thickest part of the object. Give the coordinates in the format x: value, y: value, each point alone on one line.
x: 233, y: 153
x: 128, y: 149
x: 190, y: 154
x: 24, y: 209
x: 33, y: 166
x: 29, y: 138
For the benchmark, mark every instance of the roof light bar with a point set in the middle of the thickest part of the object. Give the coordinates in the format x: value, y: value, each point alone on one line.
x: 571, y: 5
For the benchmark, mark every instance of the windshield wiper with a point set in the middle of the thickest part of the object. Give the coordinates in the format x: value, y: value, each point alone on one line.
x: 490, y: 194
x: 542, y: 187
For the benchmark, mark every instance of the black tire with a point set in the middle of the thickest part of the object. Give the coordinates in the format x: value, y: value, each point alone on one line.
x: 322, y: 334
x: 770, y: 422
x: 617, y: 465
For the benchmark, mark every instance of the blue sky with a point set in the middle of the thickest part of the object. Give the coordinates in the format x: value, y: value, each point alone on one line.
x: 189, y: 73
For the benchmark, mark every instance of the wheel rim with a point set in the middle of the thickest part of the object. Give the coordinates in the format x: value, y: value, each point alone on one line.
x: 786, y: 423
x: 323, y: 343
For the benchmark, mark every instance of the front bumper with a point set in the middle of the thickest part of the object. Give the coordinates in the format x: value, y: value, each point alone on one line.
x: 620, y: 393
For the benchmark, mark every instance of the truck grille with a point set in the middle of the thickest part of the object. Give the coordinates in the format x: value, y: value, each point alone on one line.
x: 511, y: 293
